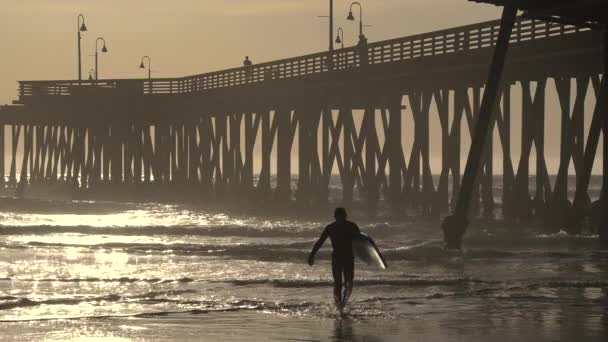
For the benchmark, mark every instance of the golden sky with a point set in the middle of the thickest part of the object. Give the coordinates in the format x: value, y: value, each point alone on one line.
x: 194, y: 36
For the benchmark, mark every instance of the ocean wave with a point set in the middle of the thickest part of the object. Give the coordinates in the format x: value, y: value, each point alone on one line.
x: 435, y: 251
x: 105, y: 280
x: 189, y: 247
x: 262, y: 229
x: 298, y: 251
x: 198, y: 306
x: 590, y: 283
x: 364, y: 307
x: 174, y: 230
x: 357, y: 310
x: 53, y: 206
x: 262, y: 252
x: 488, y: 287
x: 306, y: 283
x: 279, y: 252
x: 7, y: 303
x: 562, y: 234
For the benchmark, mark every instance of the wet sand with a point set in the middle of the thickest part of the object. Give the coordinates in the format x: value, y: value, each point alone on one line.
x: 465, y: 325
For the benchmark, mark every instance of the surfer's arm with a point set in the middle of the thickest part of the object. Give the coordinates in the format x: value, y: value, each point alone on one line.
x: 356, y: 230
x: 317, y: 246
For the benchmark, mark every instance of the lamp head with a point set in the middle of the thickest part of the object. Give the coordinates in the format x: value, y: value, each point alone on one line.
x: 142, y: 66
x: 350, y: 16
x: 83, y: 27
x: 338, y: 40
x: 104, y: 49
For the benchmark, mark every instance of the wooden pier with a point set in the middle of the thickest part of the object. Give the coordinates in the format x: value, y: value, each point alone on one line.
x: 343, y: 112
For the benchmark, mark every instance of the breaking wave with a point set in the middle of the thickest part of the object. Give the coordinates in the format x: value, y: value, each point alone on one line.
x: 275, y: 251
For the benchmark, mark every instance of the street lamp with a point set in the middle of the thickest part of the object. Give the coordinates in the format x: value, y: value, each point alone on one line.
x: 352, y: 18
x: 142, y: 66
x: 80, y: 28
x: 104, y: 49
x: 331, y: 25
x: 340, y: 37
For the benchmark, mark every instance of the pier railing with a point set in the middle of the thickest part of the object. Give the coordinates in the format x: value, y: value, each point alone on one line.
x: 443, y: 42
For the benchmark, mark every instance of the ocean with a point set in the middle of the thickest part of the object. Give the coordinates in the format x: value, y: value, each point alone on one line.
x: 109, y: 271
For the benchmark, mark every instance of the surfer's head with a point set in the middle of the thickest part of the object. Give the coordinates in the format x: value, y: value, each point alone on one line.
x: 340, y: 214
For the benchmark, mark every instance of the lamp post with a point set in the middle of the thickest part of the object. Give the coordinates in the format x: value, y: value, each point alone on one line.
x: 340, y: 37
x: 340, y: 40
x: 104, y: 49
x: 331, y: 25
x: 352, y: 18
x: 80, y: 28
x: 142, y: 66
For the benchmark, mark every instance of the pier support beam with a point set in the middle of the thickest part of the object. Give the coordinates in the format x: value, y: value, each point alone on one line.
x: 250, y: 137
x: 327, y: 161
x: 572, y: 132
x: 442, y: 200
x: 581, y: 197
x: 603, y: 229
x: 285, y: 133
x: 305, y: 149
x: 268, y: 134
x: 2, y: 141
x: 503, y: 121
x: 369, y: 135
x: 455, y: 226
x: 395, y: 151
x: 347, y: 179
x: 15, y: 133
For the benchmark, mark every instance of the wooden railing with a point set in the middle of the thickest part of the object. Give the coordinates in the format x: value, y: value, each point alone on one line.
x: 460, y: 39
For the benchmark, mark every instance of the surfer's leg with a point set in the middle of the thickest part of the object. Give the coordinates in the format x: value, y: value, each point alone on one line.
x: 336, y: 270
x: 349, y: 276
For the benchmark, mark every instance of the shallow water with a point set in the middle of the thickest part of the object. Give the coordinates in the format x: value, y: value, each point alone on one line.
x: 158, y: 272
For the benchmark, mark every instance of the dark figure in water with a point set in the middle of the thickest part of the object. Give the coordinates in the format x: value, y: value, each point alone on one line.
x: 341, y: 234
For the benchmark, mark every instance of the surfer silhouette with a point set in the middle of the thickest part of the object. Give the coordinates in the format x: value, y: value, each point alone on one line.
x: 341, y: 234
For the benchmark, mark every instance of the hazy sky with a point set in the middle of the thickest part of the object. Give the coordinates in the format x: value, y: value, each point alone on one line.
x: 193, y: 36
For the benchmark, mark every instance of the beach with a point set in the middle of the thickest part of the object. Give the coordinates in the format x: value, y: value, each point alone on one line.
x: 157, y: 272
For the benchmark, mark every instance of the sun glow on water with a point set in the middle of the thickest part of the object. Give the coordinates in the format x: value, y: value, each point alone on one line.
x: 122, y: 219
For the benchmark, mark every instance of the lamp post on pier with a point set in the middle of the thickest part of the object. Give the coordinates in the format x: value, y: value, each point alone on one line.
x: 142, y: 66
x: 351, y: 17
x: 80, y: 28
x: 331, y: 25
x: 340, y: 37
x: 340, y: 40
x: 104, y: 49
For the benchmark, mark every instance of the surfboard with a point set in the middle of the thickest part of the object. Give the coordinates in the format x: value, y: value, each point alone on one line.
x: 365, y: 249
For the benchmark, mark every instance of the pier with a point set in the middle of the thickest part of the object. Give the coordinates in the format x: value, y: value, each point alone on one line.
x: 343, y: 111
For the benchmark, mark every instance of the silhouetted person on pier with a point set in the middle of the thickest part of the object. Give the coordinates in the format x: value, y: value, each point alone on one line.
x: 341, y: 234
x: 247, y: 64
